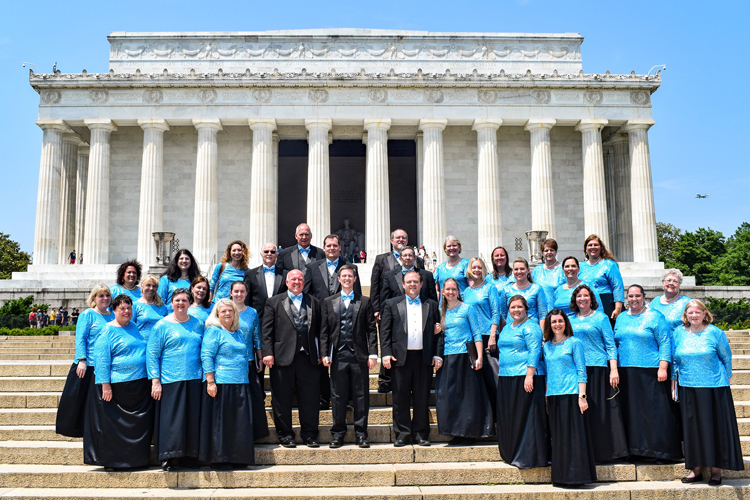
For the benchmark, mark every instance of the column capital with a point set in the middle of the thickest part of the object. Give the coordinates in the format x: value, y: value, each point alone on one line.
x: 58, y: 125
x: 486, y: 123
x: 324, y: 123
x: 207, y: 124
x: 591, y: 124
x: 73, y: 139
x: 438, y: 123
x: 100, y: 124
x: 537, y: 123
x: 83, y: 150
x: 375, y: 123
x: 262, y: 124
x: 639, y: 124
x: 155, y: 123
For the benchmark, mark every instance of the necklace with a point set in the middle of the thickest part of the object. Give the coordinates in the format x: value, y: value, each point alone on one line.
x: 573, y: 285
x: 554, y: 265
x: 180, y: 321
x: 669, y: 301
x: 591, y: 311
x: 593, y: 262
x: 126, y: 287
x: 556, y: 342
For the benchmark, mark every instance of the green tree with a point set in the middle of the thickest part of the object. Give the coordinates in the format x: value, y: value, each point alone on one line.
x: 733, y: 268
x: 695, y: 254
x: 11, y: 257
x: 667, y: 236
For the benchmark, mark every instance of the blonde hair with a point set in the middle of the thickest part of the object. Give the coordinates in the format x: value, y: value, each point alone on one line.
x: 707, y: 320
x: 157, y: 297
x: 453, y: 239
x: 96, y: 291
x: 470, y: 274
x: 227, y: 258
x: 213, y: 318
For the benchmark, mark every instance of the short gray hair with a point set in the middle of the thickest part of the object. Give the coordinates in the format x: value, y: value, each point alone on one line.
x: 673, y: 271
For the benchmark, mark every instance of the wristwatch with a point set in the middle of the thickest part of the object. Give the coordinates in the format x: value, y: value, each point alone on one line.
x: 581, y: 396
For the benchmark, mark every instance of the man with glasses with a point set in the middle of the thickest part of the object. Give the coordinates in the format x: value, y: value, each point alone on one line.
x: 300, y: 255
x: 393, y: 286
x: 265, y: 281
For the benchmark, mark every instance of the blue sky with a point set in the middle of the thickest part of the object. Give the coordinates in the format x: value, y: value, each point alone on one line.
x: 698, y: 144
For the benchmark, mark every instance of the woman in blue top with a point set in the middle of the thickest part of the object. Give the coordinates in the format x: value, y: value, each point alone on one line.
x: 120, y: 418
x: 128, y: 276
x: 702, y: 370
x: 501, y: 274
x: 535, y: 297
x: 601, y: 272
x: 564, y: 293
x: 522, y: 434
x: 226, y: 406
x: 549, y: 275
x: 72, y: 407
x: 643, y: 344
x: 149, y: 309
x: 591, y: 327
x: 182, y: 270
x: 463, y: 408
x: 232, y: 268
x: 173, y: 361
x: 455, y: 267
x: 672, y: 303
x: 573, y: 462
x: 202, y: 304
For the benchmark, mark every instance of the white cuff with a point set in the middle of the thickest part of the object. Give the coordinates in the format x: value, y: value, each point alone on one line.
x: 373, y: 356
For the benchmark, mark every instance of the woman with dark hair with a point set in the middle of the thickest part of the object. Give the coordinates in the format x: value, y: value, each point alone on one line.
x: 174, y: 366
x: 644, y: 352
x: 128, y: 276
x: 72, y: 408
x: 182, y: 270
x: 592, y: 328
x: 226, y: 435
x: 455, y: 267
x: 202, y: 304
x: 536, y: 299
x: 120, y: 420
x: 149, y: 309
x: 232, y: 268
x: 601, y: 272
x: 549, y: 275
x: 702, y: 371
x: 463, y: 408
x: 672, y: 303
x: 523, y: 435
x: 564, y: 292
x: 501, y: 274
x: 573, y: 461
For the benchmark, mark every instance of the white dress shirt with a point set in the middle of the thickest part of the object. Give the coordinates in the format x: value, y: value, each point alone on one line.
x: 414, y: 326
x: 269, y: 277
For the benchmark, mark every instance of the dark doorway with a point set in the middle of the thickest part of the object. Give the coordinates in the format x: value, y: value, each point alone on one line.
x: 402, y: 180
x: 292, y: 192
x: 348, y: 161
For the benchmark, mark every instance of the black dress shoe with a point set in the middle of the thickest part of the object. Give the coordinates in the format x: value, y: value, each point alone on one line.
x: 384, y: 388
x: 362, y: 442
x: 714, y: 482
x: 399, y: 443
x: 456, y: 441
x: 335, y: 443
x: 169, y: 465
x: 349, y: 407
x: 423, y: 442
x: 694, y: 479
x: 288, y: 442
x: 312, y: 443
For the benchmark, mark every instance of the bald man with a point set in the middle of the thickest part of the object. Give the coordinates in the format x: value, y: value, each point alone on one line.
x: 300, y: 255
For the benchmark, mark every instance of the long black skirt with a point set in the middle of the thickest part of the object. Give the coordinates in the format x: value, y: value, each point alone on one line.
x: 226, y: 431
x: 572, y: 449
x: 522, y: 430
x: 604, y: 417
x: 608, y: 306
x: 651, y: 425
x: 463, y: 408
x: 118, y: 433
x: 177, y: 421
x: 258, y: 395
x: 710, y: 428
x: 71, y: 412
x: 489, y: 374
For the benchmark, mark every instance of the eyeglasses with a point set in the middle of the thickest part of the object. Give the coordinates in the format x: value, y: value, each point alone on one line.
x: 613, y: 396
x: 269, y: 251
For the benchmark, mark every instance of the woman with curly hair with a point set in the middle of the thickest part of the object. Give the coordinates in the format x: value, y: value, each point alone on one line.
x: 128, y: 276
x: 600, y: 270
x: 232, y: 268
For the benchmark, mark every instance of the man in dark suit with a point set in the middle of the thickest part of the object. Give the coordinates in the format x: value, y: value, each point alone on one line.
x: 393, y: 285
x: 290, y: 336
x: 301, y: 254
x: 264, y: 281
x: 349, y: 345
x: 409, y: 346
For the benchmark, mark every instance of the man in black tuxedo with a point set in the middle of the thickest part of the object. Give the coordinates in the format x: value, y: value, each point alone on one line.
x: 349, y: 345
x: 290, y: 336
x: 265, y: 281
x: 408, y: 344
x: 393, y: 285
x: 301, y: 254
x: 321, y: 281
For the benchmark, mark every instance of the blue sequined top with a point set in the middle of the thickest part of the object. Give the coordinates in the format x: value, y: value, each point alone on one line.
x: 643, y: 339
x: 566, y: 366
x: 563, y: 297
x: 200, y: 312
x: 167, y: 288
x: 225, y: 354
x: 89, y: 327
x: 230, y: 275
x: 145, y: 316
x: 596, y: 335
x: 604, y: 277
x: 134, y: 295
x: 549, y: 280
x: 702, y: 359
x: 250, y: 328
x: 457, y: 272
x: 672, y: 312
x: 460, y: 327
x: 485, y: 300
x: 120, y: 355
x: 501, y: 281
x: 535, y: 298
x: 518, y: 348
x: 174, y: 351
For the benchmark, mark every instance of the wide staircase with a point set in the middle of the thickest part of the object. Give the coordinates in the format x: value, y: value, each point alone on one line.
x: 37, y: 463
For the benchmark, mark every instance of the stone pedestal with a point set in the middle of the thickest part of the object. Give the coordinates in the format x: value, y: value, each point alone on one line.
x: 82, y: 174
x: 377, y: 196
x: 206, y: 220
x: 645, y: 248
x: 69, y: 166
x: 96, y: 232
x: 263, y: 188
x: 435, y: 226
x: 151, y: 211
x: 318, y: 179
x: 47, y: 227
x: 624, y: 239
x: 542, y: 194
x: 489, y: 218
x: 594, y: 186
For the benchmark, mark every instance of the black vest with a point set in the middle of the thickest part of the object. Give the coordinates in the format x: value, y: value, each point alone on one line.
x: 332, y: 280
x: 300, y: 324
x: 346, y: 330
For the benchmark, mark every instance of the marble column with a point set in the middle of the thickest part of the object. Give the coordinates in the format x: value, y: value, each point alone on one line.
x: 377, y: 187
x: 96, y: 231
x: 542, y: 194
x: 275, y: 145
x: 263, y: 187
x: 609, y: 181
x: 435, y: 226
x: 645, y: 248
x: 69, y: 166
x: 594, y: 186
x: 206, y: 219
x: 82, y: 173
x: 318, y: 179
x: 419, y: 139
x: 489, y: 218
x: 47, y: 227
x: 624, y: 235
x: 151, y: 209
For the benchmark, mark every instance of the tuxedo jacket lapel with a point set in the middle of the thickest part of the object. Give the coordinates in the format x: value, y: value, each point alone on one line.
x: 262, y: 282
x: 425, y: 312
x: 287, y: 302
x: 277, y: 279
